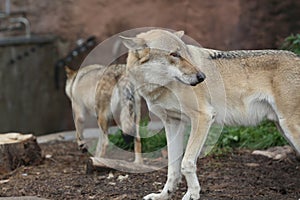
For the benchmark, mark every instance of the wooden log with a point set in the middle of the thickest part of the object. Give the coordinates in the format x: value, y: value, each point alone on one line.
x: 17, y: 150
x: 104, y: 164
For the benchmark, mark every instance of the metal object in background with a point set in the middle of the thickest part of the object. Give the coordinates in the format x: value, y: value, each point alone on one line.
x: 14, y: 21
x: 78, y: 54
x: 22, y: 20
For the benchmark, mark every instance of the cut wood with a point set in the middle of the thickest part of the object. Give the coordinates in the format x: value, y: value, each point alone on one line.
x: 103, y: 164
x: 276, y: 153
x: 17, y: 150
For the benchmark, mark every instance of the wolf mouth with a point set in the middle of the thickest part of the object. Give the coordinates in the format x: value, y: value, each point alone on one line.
x: 178, y: 79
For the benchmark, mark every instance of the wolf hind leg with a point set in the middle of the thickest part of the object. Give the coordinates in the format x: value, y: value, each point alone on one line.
x: 287, y: 107
x: 291, y: 131
x: 79, y: 120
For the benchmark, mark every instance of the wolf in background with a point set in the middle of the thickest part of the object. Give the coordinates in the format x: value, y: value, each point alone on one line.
x: 105, y: 93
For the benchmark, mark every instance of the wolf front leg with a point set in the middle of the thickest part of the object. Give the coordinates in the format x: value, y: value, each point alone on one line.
x: 137, y: 140
x: 103, y: 136
x: 138, y: 148
x: 201, y: 124
x: 174, y: 133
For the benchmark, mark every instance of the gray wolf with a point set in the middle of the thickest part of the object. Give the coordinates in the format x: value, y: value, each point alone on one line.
x: 105, y: 93
x: 238, y: 88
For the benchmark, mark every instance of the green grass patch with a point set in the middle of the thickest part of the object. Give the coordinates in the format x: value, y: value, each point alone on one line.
x: 262, y: 136
x: 151, y: 141
x: 117, y: 140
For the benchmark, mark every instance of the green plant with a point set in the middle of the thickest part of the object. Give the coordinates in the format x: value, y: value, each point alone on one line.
x: 259, y: 137
x: 151, y: 142
x: 292, y: 43
x: 117, y: 139
x: 155, y: 142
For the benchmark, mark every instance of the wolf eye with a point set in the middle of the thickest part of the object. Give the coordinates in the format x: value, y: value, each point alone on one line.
x: 175, y: 54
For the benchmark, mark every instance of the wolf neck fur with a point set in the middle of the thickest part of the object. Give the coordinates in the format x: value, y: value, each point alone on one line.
x: 214, y: 54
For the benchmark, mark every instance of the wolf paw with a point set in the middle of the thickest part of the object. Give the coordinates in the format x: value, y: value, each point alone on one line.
x: 189, y: 196
x: 83, y: 146
x: 154, y: 196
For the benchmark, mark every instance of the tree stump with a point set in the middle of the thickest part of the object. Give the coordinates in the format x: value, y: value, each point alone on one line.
x: 17, y: 150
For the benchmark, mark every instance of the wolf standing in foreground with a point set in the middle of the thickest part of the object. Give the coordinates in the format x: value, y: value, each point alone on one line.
x: 256, y: 84
x: 102, y: 92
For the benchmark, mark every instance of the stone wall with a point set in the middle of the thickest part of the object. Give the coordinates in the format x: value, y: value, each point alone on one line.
x: 265, y: 23
x: 234, y: 24
x: 29, y: 101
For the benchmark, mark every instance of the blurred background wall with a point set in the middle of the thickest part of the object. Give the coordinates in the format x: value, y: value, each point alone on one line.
x: 234, y: 24
x: 225, y: 25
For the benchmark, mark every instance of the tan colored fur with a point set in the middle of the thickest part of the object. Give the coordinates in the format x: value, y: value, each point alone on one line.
x: 241, y: 88
x: 92, y: 90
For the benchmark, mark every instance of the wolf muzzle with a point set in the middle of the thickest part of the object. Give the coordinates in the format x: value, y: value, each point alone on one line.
x: 200, y: 78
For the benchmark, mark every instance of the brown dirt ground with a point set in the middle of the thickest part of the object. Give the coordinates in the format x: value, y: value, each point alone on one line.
x: 234, y: 175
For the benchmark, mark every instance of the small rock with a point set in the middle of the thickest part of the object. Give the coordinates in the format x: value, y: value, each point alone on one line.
x: 124, y: 196
x: 110, y: 175
x: 156, y: 183
x: 111, y: 183
x: 252, y: 164
x: 48, y: 156
x: 4, y: 181
x: 121, y: 178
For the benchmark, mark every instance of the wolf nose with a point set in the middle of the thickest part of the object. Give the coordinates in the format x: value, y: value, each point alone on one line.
x: 200, y: 76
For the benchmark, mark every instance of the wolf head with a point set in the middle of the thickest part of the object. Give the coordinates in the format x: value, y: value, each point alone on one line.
x: 161, y: 57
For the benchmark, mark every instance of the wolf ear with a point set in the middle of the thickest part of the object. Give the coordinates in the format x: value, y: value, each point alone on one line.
x: 134, y: 43
x: 179, y: 33
x: 69, y: 71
